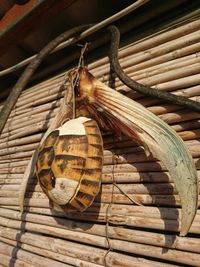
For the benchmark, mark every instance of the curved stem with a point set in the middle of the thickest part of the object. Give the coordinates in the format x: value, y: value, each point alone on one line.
x: 146, y: 90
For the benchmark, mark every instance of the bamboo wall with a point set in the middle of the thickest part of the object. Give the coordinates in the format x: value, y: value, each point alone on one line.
x: 113, y: 231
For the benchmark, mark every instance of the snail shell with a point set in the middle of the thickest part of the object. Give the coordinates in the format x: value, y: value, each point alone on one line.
x: 69, y: 164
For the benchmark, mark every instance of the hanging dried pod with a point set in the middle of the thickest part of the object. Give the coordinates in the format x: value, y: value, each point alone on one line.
x: 127, y: 116
x: 69, y: 164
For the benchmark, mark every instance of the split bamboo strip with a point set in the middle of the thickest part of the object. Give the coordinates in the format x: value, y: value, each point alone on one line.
x: 161, y: 38
x: 34, y: 111
x: 12, y: 160
x: 173, y: 74
x: 13, y: 170
x: 29, y: 130
x: 172, y: 85
x: 42, y: 119
x: 149, y: 71
x: 39, y: 101
x: 58, y: 91
x: 22, y: 155
x: 179, y: 116
x: 24, y: 114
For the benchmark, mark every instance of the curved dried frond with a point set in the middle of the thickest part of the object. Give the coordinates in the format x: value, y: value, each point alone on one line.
x: 156, y: 136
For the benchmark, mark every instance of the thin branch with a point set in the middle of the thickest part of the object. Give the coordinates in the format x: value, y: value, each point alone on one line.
x: 146, y: 90
x: 23, y: 80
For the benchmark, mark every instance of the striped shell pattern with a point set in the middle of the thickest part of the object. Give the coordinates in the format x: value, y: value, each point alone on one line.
x: 69, y: 164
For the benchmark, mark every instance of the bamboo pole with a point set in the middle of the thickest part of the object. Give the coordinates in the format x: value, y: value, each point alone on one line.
x: 126, y: 155
x: 158, y: 187
x: 48, y: 254
x: 183, y: 51
x: 119, y: 83
x: 31, y: 119
x: 30, y: 258
x: 152, y: 42
x: 129, y: 177
x: 60, y: 247
x: 138, y: 189
x: 32, y: 112
x: 182, y: 37
x: 8, y: 261
x: 55, y: 88
x: 130, y: 65
x: 183, y: 93
x: 38, y: 199
x: 37, y: 118
x: 162, y: 75
x: 22, y: 141
x: 98, y: 211
x: 55, y: 80
x: 119, y: 168
x: 184, y: 61
x: 145, y: 250
x: 138, y: 236
x: 29, y: 130
x: 54, y: 111
x: 21, y: 83
x: 17, y: 149
x: 28, y: 140
x: 52, y: 90
x: 50, y: 114
x: 169, y: 117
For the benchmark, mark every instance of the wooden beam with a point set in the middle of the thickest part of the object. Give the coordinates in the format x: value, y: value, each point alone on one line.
x: 22, y: 19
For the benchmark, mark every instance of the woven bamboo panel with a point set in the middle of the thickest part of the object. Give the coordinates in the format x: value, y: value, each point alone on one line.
x: 114, y: 231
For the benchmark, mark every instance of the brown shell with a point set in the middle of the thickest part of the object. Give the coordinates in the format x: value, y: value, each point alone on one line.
x: 69, y: 164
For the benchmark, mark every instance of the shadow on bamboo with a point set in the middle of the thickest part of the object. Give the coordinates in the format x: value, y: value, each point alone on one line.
x: 156, y: 197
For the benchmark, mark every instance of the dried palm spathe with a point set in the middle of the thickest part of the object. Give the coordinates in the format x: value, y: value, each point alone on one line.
x: 132, y: 119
